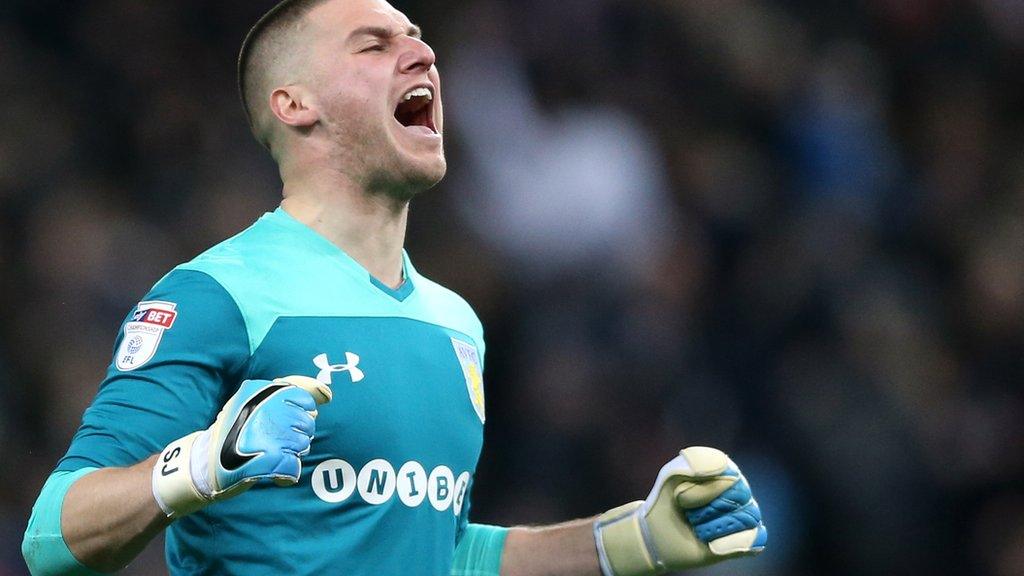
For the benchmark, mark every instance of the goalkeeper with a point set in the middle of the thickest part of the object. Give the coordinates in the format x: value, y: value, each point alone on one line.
x: 300, y: 400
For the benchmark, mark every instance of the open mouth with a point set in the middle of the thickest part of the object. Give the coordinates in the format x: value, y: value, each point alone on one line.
x: 416, y: 109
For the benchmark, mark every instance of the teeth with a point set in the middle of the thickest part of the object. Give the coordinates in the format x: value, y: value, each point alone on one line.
x: 417, y: 92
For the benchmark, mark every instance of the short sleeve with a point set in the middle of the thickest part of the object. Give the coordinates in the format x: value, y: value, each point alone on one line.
x: 179, y: 355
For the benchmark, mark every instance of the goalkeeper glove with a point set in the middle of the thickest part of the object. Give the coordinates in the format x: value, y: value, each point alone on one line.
x: 699, y: 512
x: 261, y: 432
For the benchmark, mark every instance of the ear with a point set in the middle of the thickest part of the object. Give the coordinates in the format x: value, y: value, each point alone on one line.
x: 291, y: 105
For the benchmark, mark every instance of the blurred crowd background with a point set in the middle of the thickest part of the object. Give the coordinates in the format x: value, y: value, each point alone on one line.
x: 792, y: 229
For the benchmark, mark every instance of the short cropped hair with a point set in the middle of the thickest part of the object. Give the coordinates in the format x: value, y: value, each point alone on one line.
x: 261, y: 48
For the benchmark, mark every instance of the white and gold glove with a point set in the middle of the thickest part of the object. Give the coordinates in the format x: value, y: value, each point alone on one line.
x: 700, y: 511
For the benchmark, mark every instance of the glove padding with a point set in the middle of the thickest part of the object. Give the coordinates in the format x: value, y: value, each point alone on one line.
x: 699, y: 512
x: 262, y: 432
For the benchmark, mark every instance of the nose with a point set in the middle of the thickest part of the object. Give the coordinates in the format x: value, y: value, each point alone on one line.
x: 417, y: 56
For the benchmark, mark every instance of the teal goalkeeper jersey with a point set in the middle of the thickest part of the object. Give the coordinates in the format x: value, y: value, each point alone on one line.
x: 384, y: 490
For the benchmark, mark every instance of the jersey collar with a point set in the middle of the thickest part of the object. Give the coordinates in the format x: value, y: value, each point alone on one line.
x: 325, y: 246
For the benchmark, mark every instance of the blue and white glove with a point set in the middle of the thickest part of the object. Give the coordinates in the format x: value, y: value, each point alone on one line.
x: 700, y: 511
x: 262, y: 432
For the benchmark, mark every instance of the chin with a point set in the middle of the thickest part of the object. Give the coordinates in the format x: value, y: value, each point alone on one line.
x: 413, y: 178
x: 435, y: 172
x: 424, y: 174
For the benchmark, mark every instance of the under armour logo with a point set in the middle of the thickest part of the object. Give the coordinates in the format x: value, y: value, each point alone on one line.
x: 326, y: 368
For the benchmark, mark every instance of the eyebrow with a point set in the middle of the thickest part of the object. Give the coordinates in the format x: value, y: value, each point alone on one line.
x: 385, y: 32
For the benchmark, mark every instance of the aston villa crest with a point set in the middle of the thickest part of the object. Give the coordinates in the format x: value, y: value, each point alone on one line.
x: 470, y: 362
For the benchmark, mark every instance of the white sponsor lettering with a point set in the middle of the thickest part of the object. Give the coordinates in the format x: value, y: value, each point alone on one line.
x: 412, y: 483
x: 441, y: 488
x: 335, y: 481
x: 377, y: 481
x: 461, y: 485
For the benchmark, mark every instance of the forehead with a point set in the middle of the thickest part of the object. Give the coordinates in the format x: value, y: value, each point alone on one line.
x: 339, y: 17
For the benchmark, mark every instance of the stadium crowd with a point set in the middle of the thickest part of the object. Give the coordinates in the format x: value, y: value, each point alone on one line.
x: 790, y: 229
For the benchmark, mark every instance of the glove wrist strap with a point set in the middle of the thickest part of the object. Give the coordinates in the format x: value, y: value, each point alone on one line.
x: 173, y: 486
x: 624, y: 544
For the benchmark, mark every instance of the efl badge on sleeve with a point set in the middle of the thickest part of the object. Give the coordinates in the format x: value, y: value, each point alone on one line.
x: 470, y: 362
x: 143, y: 332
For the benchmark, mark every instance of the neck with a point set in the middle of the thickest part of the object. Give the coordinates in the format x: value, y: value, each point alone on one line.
x: 369, y: 227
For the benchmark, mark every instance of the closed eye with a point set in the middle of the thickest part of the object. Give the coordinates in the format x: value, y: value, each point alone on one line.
x: 373, y: 48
